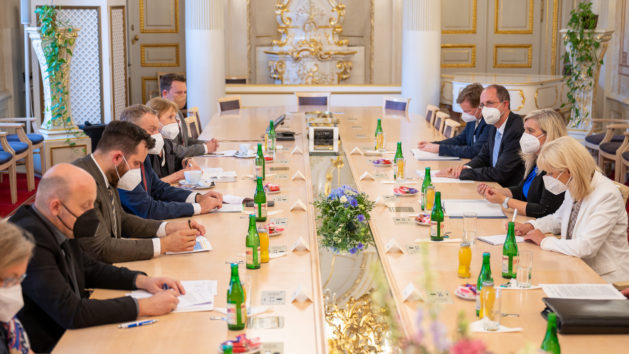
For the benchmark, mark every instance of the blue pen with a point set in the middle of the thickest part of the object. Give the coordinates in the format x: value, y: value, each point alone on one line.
x: 165, y: 287
x: 136, y: 324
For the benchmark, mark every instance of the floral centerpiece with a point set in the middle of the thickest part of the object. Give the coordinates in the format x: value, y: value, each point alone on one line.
x: 343, y: 218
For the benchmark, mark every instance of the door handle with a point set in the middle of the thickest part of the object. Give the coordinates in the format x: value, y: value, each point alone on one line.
x: 135, y: 39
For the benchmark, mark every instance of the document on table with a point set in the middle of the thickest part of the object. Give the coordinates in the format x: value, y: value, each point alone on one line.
x: 455, y: 208
x: 232, y: 199
x: 202, y: 245
x: 496, y: 240
x: 229, y: 208
x: 436, y: 180
x: 199, y: 295
x: 583, y: 291
x: 431, y: 156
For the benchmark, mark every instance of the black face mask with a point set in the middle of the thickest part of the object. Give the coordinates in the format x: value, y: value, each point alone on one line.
x: 85, y: 225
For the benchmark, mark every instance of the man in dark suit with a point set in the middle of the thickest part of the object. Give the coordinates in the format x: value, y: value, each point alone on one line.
x: 55, y: 295
x: 499, y: 160
x: 116, y: 164
x: 470, y: 141
x: 153, y: 198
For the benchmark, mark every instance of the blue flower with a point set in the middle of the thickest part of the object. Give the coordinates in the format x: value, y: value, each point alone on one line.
x: 361, y: 218
x: 360, y: 245
x: 353, y: 250
x: 353, y: 202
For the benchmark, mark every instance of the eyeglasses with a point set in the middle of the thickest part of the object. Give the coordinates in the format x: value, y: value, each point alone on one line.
x: 12, y: 281
x: 489, y: 104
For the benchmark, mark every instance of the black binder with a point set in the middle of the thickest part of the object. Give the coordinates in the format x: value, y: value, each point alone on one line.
x: 578, y: 316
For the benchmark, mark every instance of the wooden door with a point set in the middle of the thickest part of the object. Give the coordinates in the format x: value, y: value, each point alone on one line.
x: 156, y: 44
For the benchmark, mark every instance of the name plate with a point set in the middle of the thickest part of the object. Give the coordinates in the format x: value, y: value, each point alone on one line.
x: 280, y: 221
x: 280, y: 168
x: 271, y: 322
x: 272, y: 298
x: 401, y: 221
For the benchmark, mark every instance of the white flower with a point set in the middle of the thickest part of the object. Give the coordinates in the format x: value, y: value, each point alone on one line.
x: 343, y: 199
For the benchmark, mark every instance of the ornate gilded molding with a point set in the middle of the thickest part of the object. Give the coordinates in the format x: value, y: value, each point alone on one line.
x: 466, y: 31
x: 537, y: 94
x: 471, y: 64
x: 529, y: 61
x: 528, y: 30
x: 277, y: 68
x: 344, y: 70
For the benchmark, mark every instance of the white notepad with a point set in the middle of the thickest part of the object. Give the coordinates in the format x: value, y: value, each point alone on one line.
x: 431, y: 156
x: 436, y: 180
x: 202, y: 245
x: 455, y: 208
x: 495, y: 240
x: 583, y: 291
x: 199, y: 295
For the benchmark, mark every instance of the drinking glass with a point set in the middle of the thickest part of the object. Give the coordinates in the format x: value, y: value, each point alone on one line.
x: 430, y: 197
x: 469, y: 227
x: 491, y: 321
x: 524, y: 270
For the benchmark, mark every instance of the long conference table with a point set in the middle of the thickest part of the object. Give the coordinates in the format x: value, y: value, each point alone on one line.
x: 318, y: 272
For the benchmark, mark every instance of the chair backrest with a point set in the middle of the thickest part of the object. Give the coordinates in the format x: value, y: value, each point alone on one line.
x: 624, y: 190
x: 431, y: 111
x: 313, y: 99
x: 194, y: 112
x: 396, y: 103
x: 94, y: 131
x: 451, y: 128
x: 192, y: 126
x: 439, y: 121
x: 236, y: 80
x: 228, y: 103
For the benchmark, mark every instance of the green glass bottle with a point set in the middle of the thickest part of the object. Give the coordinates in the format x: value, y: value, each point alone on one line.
x: 236, y: 308
x: 510, y: 254
x: 260, y: 163
x: 550, y: 344
x: 379, y: 136
x: 259, y: 201
x: 253, y: 245
x: 272, y: 137
x: 436, y: 219
x: 427, y: 183
x: 398, y: 161
x: 484, y: 275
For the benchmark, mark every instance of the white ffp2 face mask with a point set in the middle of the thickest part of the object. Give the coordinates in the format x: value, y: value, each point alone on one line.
x: 554, y: 185
x: 130, y: 179
x: 530, y: 143
x: 159, y: 144
x: 491, y: 115
x: 170, y: 131
x: 11, y: 302
x: 467, y: 118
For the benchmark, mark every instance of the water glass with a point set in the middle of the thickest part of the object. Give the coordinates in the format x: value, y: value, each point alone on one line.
x: 469, y: 227
x: 524, y: 270
x: 491, y: 321
x: 430, y: 197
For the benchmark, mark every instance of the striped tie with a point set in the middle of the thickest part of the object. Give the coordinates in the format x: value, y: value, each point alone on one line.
x: 114, y: 227
x: 574, y: 213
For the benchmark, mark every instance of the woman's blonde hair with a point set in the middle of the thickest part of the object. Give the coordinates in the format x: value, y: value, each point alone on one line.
x: 566, y: 153
x: 551, y: 124
x: 161, y: 105
x: 16, y: 245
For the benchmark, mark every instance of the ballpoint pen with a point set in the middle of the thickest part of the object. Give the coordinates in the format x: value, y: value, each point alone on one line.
x: 189, y: 224
x: 136, y: 324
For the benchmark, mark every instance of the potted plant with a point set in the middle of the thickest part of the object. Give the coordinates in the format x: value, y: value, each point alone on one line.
x: 343, y: 217
x: 581, y: 61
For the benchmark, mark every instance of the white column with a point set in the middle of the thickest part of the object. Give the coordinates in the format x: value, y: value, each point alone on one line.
x: 421, y: 53
x: 205, y: 55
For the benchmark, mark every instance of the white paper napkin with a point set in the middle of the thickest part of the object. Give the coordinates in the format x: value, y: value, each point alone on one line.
x: 299, y: 295
x: 298, y: 175
x: 411, y: 293
x: 300, y: 245
x: 356, y: 151
x: 296, y: 151
x: 366, y: 176
x: 477, y: 326
x: 298, y: 205
x: 380, y: 201
x: 393, y: 247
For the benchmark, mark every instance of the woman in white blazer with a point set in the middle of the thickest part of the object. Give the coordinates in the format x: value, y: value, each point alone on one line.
x: 592, y: 220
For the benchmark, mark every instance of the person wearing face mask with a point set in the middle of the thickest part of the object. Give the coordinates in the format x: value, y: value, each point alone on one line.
x: 16, y: 249
x: 530, y: 197
x: 60, y: 272
x: 153, y: 198
x: 470, y: 141
x: 499, y: 159
x: 592, y: 219
x: 124, y: 237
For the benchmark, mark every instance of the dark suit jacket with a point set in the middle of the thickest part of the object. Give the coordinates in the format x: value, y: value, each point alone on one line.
x: 105, y: 246
x: 172, y: 164
x: 50, y: 303
x: 509, y: 167
x: 186, y: 146
x: 155, y: 199
x: 467, y: 144
x: 540, y: 202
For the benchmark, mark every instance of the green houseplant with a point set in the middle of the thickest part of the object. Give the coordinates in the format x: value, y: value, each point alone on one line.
x: 581, y: 61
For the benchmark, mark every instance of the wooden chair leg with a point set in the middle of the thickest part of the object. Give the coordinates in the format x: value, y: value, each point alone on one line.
x: 30, y: 172
x: 13, y: 183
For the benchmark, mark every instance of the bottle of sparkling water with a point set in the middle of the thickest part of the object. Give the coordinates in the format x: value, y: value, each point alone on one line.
x: 484, y: 275
x: 379, y: 136
x: 236, y: 308
x: 259, y: 201
x: 550, y: 344
x: 510, y: 254
x: 398, y: 160
x: 436, y: 219
x: 253, y: 245
x: 272, y: 138
x: 260, y: 163
x: 427, y: 183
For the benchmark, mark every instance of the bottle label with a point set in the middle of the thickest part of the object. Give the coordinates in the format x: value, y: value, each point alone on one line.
x: 505, y: 264
x: 258, y: 171
x: 436, y: 228
x: 260, y: 210
x: 249, y: 256
x: 234, y: 311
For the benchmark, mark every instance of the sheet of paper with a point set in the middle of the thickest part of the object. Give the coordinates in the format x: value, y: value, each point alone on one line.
x: 583, y: 291
x: 232, y: 199
x: 202, y: 245
x: 455, y: 208
x: 431, y: 156
x: 437, y: 180
x: 199, y: 295
x: 495, y: 240
x: 230, y: 208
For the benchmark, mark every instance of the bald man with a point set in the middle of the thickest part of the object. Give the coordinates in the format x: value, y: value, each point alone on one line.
x: 55, y: 295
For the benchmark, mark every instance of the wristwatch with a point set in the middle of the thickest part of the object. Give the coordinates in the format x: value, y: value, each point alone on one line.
x: 505, y: 204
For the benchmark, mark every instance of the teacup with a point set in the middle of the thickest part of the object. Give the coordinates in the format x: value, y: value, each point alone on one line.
x: 192, y: 177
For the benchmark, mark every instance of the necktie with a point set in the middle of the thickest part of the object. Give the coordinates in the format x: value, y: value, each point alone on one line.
x: 114, y: 223
x: 497, y: 140
x: 67, y: 255
x: 574, y: 213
